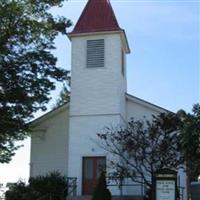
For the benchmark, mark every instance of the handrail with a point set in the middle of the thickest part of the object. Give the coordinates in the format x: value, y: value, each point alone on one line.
x: 73, y: 185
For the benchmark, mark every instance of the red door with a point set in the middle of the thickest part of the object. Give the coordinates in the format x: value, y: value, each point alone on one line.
x: 92, y: 167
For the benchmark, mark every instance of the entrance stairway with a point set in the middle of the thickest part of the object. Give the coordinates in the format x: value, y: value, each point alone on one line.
x: 127, y: 198
x: 79, y: 198
x: 113, y: 198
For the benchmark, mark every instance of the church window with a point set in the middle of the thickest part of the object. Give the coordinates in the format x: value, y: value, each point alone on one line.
x: 122, y: 64
x: 95, y: 53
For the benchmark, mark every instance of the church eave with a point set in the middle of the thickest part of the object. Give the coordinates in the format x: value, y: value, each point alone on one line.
x: 125, y: 42
x: 48, y: 115
x: 147, y: 104
x: 70, y: 35
x: 121, y: 32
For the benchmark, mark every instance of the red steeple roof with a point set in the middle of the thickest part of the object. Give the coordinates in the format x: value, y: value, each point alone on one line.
x: 97, y: 16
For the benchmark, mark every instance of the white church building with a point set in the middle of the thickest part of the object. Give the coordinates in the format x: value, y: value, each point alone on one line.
x: 63, y: 139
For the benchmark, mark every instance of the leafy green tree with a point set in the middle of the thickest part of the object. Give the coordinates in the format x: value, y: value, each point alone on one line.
x: 191, y: 141
x: 190, y: 130
x: 64, y: 96
x: 101, y: 191
x: 28, y: 70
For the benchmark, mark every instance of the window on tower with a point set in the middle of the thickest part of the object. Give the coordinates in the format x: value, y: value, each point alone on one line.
x: 95, y: 53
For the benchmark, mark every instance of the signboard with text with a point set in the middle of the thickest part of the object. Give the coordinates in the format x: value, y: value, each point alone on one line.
x: 165, y: 185
x: 165, y: 189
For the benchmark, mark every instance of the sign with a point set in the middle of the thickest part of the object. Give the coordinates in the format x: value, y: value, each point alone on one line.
x: 165, y: 185
x: 165, y: 189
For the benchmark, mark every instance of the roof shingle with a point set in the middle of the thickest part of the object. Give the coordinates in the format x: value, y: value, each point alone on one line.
x: 97, y: 16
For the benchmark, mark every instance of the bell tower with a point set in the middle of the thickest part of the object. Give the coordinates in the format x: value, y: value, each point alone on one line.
x: 98, y: 81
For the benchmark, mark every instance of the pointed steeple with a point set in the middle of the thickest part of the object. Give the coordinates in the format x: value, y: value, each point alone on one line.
x: 98, y: 16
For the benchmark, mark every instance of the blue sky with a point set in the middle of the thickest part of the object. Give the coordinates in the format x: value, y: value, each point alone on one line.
x: 163, y: 67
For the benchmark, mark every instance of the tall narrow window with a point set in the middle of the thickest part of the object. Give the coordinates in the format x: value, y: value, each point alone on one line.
x: 122, y: 64
x: 95, y: 53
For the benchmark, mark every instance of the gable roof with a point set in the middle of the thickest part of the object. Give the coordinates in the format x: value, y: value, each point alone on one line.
x: 146, y: 103
x: 65, y: 106
x: 97, y: 16
x: 49, y: 115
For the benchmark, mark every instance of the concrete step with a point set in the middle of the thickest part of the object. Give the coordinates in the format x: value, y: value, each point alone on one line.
x: 113, y: 198
x: 127, y: 198
x: 79, y: 197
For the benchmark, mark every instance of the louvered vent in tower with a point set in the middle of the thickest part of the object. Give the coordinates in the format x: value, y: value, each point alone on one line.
x: 95, y: 53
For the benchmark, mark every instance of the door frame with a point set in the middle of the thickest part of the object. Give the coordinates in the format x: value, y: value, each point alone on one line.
x: 85, y: 157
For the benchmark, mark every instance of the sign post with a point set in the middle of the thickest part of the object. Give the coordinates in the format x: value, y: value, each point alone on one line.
x: 165, y: 184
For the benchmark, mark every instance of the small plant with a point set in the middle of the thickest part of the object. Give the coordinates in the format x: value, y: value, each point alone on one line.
x: 101, y: 191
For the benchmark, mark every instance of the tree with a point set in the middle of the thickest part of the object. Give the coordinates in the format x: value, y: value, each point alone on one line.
x: 101, y: 191
x: 190, y: 130
x: 64, y: 96
x: 52, y: 184
x: 28, y: 70
x: 144, y: 147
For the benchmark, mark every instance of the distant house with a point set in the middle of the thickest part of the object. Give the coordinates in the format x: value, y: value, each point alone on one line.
x: 195, y: 190
x: 63, y: 138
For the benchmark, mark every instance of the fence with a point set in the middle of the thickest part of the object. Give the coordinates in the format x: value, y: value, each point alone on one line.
x: 118, y: 187
x: 129, y: 188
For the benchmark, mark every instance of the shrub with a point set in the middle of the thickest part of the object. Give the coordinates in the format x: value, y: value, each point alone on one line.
x: 53, y: 183
x: 18, y: 191
x: 101, y: 191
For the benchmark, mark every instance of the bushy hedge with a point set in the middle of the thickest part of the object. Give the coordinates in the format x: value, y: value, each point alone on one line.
x: 53, y: 184
x: 18, y: 191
